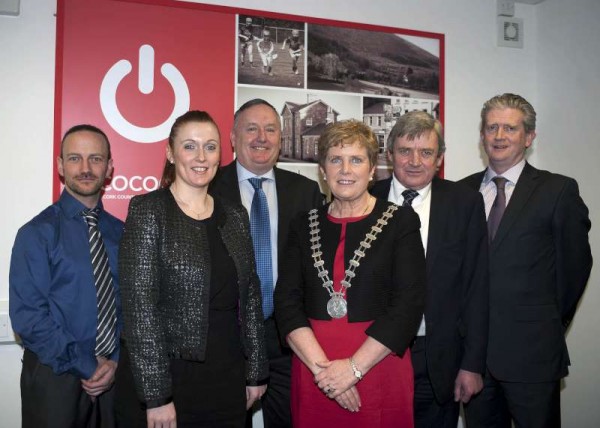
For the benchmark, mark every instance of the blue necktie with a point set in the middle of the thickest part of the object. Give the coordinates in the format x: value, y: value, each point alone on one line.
x: 260, y: 228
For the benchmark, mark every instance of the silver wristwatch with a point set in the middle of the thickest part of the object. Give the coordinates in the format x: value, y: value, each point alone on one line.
x: 357, y: 373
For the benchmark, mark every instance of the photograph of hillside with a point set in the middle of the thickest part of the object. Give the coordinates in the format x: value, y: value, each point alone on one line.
x: 361, y: 61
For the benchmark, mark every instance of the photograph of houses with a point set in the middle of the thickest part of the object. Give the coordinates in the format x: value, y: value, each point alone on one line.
x: 315, y: 75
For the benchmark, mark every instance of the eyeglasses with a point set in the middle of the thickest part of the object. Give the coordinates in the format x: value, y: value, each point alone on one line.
x: 507, y: 129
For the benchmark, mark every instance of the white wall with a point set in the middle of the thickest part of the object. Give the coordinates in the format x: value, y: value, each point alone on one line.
x: 27, y: 47
x: 556, y: 71
x: 568, y: 87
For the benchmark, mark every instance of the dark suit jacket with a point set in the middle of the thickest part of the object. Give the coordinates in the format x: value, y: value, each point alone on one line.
x: 540, y: 261
x: 456, y: 309
x: 295, y: 194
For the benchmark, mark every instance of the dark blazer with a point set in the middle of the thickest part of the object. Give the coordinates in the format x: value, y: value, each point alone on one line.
x: 456, y: 309
x: 295, y: 194
x: 540, y: 261
x: 389, y: 286
x: 165, y: 270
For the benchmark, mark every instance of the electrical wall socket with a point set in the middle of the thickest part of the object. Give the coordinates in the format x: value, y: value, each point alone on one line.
x: 505, y: 7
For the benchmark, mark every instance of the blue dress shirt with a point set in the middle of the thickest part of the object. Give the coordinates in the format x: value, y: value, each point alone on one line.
x: 51, y: 286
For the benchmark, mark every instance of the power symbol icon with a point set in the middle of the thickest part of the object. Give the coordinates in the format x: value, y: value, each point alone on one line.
x: 108, y: 96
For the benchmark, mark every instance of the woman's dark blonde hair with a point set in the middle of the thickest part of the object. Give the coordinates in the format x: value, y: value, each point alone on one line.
x: 348, y: 132
x: 168, y: 175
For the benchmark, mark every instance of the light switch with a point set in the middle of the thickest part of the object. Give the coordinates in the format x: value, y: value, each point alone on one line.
x: 505, y: 7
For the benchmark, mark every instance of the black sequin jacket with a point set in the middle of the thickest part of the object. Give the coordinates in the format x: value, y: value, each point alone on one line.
x: 164, y: 266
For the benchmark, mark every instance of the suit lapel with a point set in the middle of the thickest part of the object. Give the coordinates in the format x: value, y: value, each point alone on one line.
x: 523, y: 190
x: 283, y: 206
x: 437, y: 220
x: 474, y: 181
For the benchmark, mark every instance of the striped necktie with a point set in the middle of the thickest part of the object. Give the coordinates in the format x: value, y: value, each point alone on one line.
x: 105, y: 293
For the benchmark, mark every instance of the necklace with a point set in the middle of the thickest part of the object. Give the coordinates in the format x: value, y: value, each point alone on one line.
x: 188, y: 206
x: 371, y: 198
x: 337, y: 306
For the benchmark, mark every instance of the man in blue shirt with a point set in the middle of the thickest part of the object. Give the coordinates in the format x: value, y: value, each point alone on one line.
x: 67, y: 377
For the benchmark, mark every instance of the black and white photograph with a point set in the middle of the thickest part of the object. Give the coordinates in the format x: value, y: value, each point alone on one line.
x: 372, y: 62
x: 270, y: 52
x: 381, y: 114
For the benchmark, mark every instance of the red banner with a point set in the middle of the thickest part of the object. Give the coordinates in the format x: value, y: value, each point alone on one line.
x: 131, y: 69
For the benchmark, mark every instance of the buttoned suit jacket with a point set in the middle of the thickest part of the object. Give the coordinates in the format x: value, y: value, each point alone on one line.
x: 456, y: 309
x: 540, y: 261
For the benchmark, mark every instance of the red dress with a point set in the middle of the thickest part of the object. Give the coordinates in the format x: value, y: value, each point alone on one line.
x: 386, y: 392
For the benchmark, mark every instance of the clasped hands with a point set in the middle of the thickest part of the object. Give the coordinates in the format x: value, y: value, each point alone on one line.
x: 337, y: 381
x: 102, y: 379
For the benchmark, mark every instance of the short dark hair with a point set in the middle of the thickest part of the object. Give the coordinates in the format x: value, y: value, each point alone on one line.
x: 84, y: 127
x: 168, y: 175
x: 508, y: 100
x: 251, y: 103
x: 414, y: 124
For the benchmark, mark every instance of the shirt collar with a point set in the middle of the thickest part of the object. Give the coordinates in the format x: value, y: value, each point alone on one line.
x: 72, y: 207
x: 398, y: 188
x: 512, y: 174
x: 243, y: 174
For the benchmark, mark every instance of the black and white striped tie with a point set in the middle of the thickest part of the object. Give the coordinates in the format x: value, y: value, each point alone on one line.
x: 105, y: 293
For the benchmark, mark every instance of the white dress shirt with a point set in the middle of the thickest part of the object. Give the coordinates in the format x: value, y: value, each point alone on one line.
x: 488, y: 187
x: 421, y: 205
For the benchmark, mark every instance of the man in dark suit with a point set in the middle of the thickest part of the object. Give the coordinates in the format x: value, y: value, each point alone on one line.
x: 449, y: 352
x: 256, y: 139
x: 540, y: 261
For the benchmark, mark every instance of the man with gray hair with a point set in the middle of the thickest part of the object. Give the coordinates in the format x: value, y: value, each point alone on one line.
x: 540, y: 261
x: 449, y: 351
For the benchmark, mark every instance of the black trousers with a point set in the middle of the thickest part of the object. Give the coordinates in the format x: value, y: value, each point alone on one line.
x: 528, y: 405
x: 58, y: 401
x: 428, y: 411
x: 276, y: 401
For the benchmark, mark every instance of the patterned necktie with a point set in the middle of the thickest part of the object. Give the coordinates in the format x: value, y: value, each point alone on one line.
x: 409, y: 195
x: 497, y: 208
x: 105, y: 293
x: 260, y: 228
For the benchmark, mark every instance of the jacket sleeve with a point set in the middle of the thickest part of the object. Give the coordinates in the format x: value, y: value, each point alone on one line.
x: 398, y: 325
x: 475, y: 301
x: 289, y: 293
x: 570, y: 227
x: 140, y: 288
x: 257, y: 369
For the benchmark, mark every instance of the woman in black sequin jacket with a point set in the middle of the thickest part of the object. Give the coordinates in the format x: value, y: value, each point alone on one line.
x: 193, y: 327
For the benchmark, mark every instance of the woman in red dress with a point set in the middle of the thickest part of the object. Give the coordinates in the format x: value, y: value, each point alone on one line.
x: 350, y: 295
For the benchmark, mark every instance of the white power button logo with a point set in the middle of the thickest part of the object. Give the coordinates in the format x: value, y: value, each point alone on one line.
x: 108, y: 96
